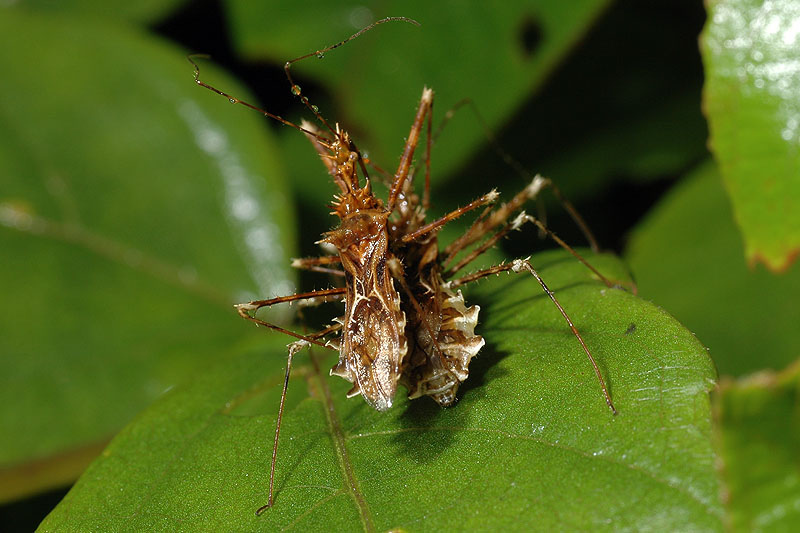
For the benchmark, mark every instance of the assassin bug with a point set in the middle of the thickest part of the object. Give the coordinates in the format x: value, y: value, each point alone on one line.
x: 405, y: 321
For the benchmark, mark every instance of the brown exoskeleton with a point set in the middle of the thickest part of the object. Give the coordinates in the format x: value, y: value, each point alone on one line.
x: 405, y: 321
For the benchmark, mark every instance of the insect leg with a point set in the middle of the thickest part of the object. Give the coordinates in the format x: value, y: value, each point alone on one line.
x: 251, y: 307
x: 316, y: 264
x: 426, y: 196
x: 485, y: 224
x: 485, y: 245
x: 400, y: 177
x: 520, y: 265
x: 576, y: 217
x: 558, y: 240
x: 487, y: 198
x: 518, y: 221
x: 517, y: 166
x: 305, y: 340
x: 293, y: 349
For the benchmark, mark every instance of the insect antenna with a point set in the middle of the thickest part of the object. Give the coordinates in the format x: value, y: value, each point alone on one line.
x: 297, y: 91
x: 321, y: 53
x: 234, y: 100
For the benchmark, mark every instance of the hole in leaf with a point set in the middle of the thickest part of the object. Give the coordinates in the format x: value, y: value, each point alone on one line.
x: 530, y: 35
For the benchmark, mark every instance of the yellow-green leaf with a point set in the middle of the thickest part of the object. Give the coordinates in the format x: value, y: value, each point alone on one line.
x: 757, y: 422
x: 752, y: 99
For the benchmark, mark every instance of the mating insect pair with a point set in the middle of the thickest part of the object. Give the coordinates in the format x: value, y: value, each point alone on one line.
x: 405, y: 321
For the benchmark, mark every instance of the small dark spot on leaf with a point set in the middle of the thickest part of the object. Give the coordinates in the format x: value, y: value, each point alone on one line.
x: 530, y: 35
x: 630, y: 329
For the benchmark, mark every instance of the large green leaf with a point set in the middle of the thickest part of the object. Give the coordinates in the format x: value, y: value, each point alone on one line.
x: 758, y: 431
x: 606, y: 113
x: 143, y: 11
x: 134, y: 210
x: 530, y: 444
x: 494, y: 53
x: 752, y: 98
x: 687, y: 256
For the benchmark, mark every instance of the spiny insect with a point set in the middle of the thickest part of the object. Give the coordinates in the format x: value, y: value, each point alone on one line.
x: 405, y: 322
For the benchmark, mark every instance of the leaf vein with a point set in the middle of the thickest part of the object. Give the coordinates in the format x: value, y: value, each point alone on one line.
x: 340, y: 445
x: 71, y: 233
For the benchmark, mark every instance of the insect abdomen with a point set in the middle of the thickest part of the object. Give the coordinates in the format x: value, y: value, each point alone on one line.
x: 456, y: 344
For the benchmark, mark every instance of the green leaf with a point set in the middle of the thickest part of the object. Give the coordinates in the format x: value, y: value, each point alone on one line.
x: 758, y: 432
x: 494, y: 53
x: 135, y: 208
x: 661, y: 140
x: 530, y: 444
x: 687, y: 256
x: 141, y: 11
x: 752, y: 99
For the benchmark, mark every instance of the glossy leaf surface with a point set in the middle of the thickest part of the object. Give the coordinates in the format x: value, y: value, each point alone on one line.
x: 687, y: 256
x: 134, y: 210
x: 752, y: 99
x: 531, y: 441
